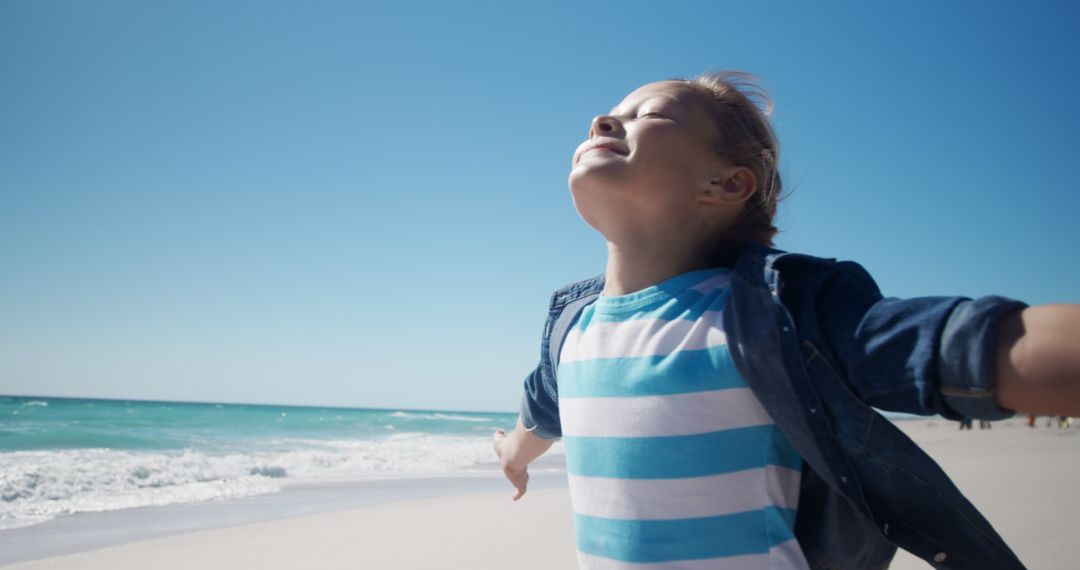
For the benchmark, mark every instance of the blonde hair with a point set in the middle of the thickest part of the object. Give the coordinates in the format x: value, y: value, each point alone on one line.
x: 746, y: 138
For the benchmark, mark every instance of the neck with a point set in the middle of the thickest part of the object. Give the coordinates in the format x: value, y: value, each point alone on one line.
x: 634, y: 266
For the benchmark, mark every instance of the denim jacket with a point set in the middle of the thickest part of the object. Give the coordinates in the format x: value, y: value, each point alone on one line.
x: 821, y: 348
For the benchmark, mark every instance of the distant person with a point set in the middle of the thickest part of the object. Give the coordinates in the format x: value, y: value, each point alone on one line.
x: 965, y: 423
x: 984, y: 424
x: 714, y: 395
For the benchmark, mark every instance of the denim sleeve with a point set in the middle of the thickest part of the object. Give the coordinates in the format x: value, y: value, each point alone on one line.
x: 540, y: 408
x: 923, y: 355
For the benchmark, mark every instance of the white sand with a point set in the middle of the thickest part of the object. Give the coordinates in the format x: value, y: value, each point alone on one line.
x: 1025, y: 481
x: 1021, y: 478
x: 464, y: 531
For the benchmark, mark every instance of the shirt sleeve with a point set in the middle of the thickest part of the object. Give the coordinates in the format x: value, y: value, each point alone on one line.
x: 923, y: 355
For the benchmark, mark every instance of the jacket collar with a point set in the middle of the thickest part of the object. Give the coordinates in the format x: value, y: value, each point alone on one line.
x: 755, y: 264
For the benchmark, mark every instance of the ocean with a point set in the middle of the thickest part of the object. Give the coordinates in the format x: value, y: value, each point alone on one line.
x: 60, y: 456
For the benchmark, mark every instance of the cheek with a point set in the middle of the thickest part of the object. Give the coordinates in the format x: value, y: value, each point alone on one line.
x: 669, y: 167
x: 670, y: 154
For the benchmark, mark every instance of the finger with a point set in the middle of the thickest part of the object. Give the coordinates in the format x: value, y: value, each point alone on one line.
x: 520, y: 493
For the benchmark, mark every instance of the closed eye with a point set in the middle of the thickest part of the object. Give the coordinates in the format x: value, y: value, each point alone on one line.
x: 653, y: 114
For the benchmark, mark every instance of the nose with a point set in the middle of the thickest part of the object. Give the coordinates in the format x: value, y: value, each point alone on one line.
x: 606, y: 125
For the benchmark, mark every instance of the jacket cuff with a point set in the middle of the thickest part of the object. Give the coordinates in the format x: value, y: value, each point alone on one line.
x: 967, y: 357
x: 532, y: 416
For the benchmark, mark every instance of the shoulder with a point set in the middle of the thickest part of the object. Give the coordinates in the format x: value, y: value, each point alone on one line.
x: 802, y: 273
x: 827, y: 298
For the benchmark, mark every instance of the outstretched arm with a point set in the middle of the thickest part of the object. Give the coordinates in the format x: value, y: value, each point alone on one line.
x: 1038, y: 360
x: 516, y: 451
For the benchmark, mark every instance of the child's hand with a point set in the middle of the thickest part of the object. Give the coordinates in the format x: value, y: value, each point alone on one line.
x: 516, y: 451
x: 519, y: 477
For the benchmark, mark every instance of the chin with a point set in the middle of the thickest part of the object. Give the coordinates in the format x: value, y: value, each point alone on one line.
x: 596, y: 177
x: 603, y: 211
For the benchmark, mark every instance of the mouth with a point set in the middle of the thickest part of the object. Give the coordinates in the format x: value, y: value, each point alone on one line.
x: 604, y: 148
x: 608, y: 148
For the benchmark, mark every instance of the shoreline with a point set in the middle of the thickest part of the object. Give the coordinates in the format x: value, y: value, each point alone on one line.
x: 1020, y: 478
x: 85, y: 532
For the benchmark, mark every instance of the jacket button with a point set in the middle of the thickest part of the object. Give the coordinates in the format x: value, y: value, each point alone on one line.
x: 844, y: 480
x: 785, y: 329
x: 940, y: 557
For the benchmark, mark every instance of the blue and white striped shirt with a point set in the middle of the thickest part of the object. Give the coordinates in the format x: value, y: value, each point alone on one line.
x: 672, y: 461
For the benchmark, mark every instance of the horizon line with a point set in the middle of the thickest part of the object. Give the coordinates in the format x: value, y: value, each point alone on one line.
x: 151, y: 400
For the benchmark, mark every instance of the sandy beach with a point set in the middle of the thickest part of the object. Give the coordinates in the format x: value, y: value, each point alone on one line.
x: 1021, y: 479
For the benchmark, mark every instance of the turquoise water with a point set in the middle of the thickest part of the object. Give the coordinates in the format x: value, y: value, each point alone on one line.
x: 62, y: 423
x: 60, y: 456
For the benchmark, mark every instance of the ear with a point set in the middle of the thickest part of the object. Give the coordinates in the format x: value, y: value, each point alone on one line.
x: 732, y: 185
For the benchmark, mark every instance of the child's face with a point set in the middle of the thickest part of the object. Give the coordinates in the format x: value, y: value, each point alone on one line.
x: 647, y: 165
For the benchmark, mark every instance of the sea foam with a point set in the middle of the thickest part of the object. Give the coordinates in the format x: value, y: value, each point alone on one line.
x: 36, y: 486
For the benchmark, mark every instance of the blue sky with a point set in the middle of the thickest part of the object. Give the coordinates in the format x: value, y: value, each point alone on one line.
x: 360, y: 204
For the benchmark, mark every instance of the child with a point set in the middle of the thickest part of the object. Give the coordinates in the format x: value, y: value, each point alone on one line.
x: 715, y: 396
